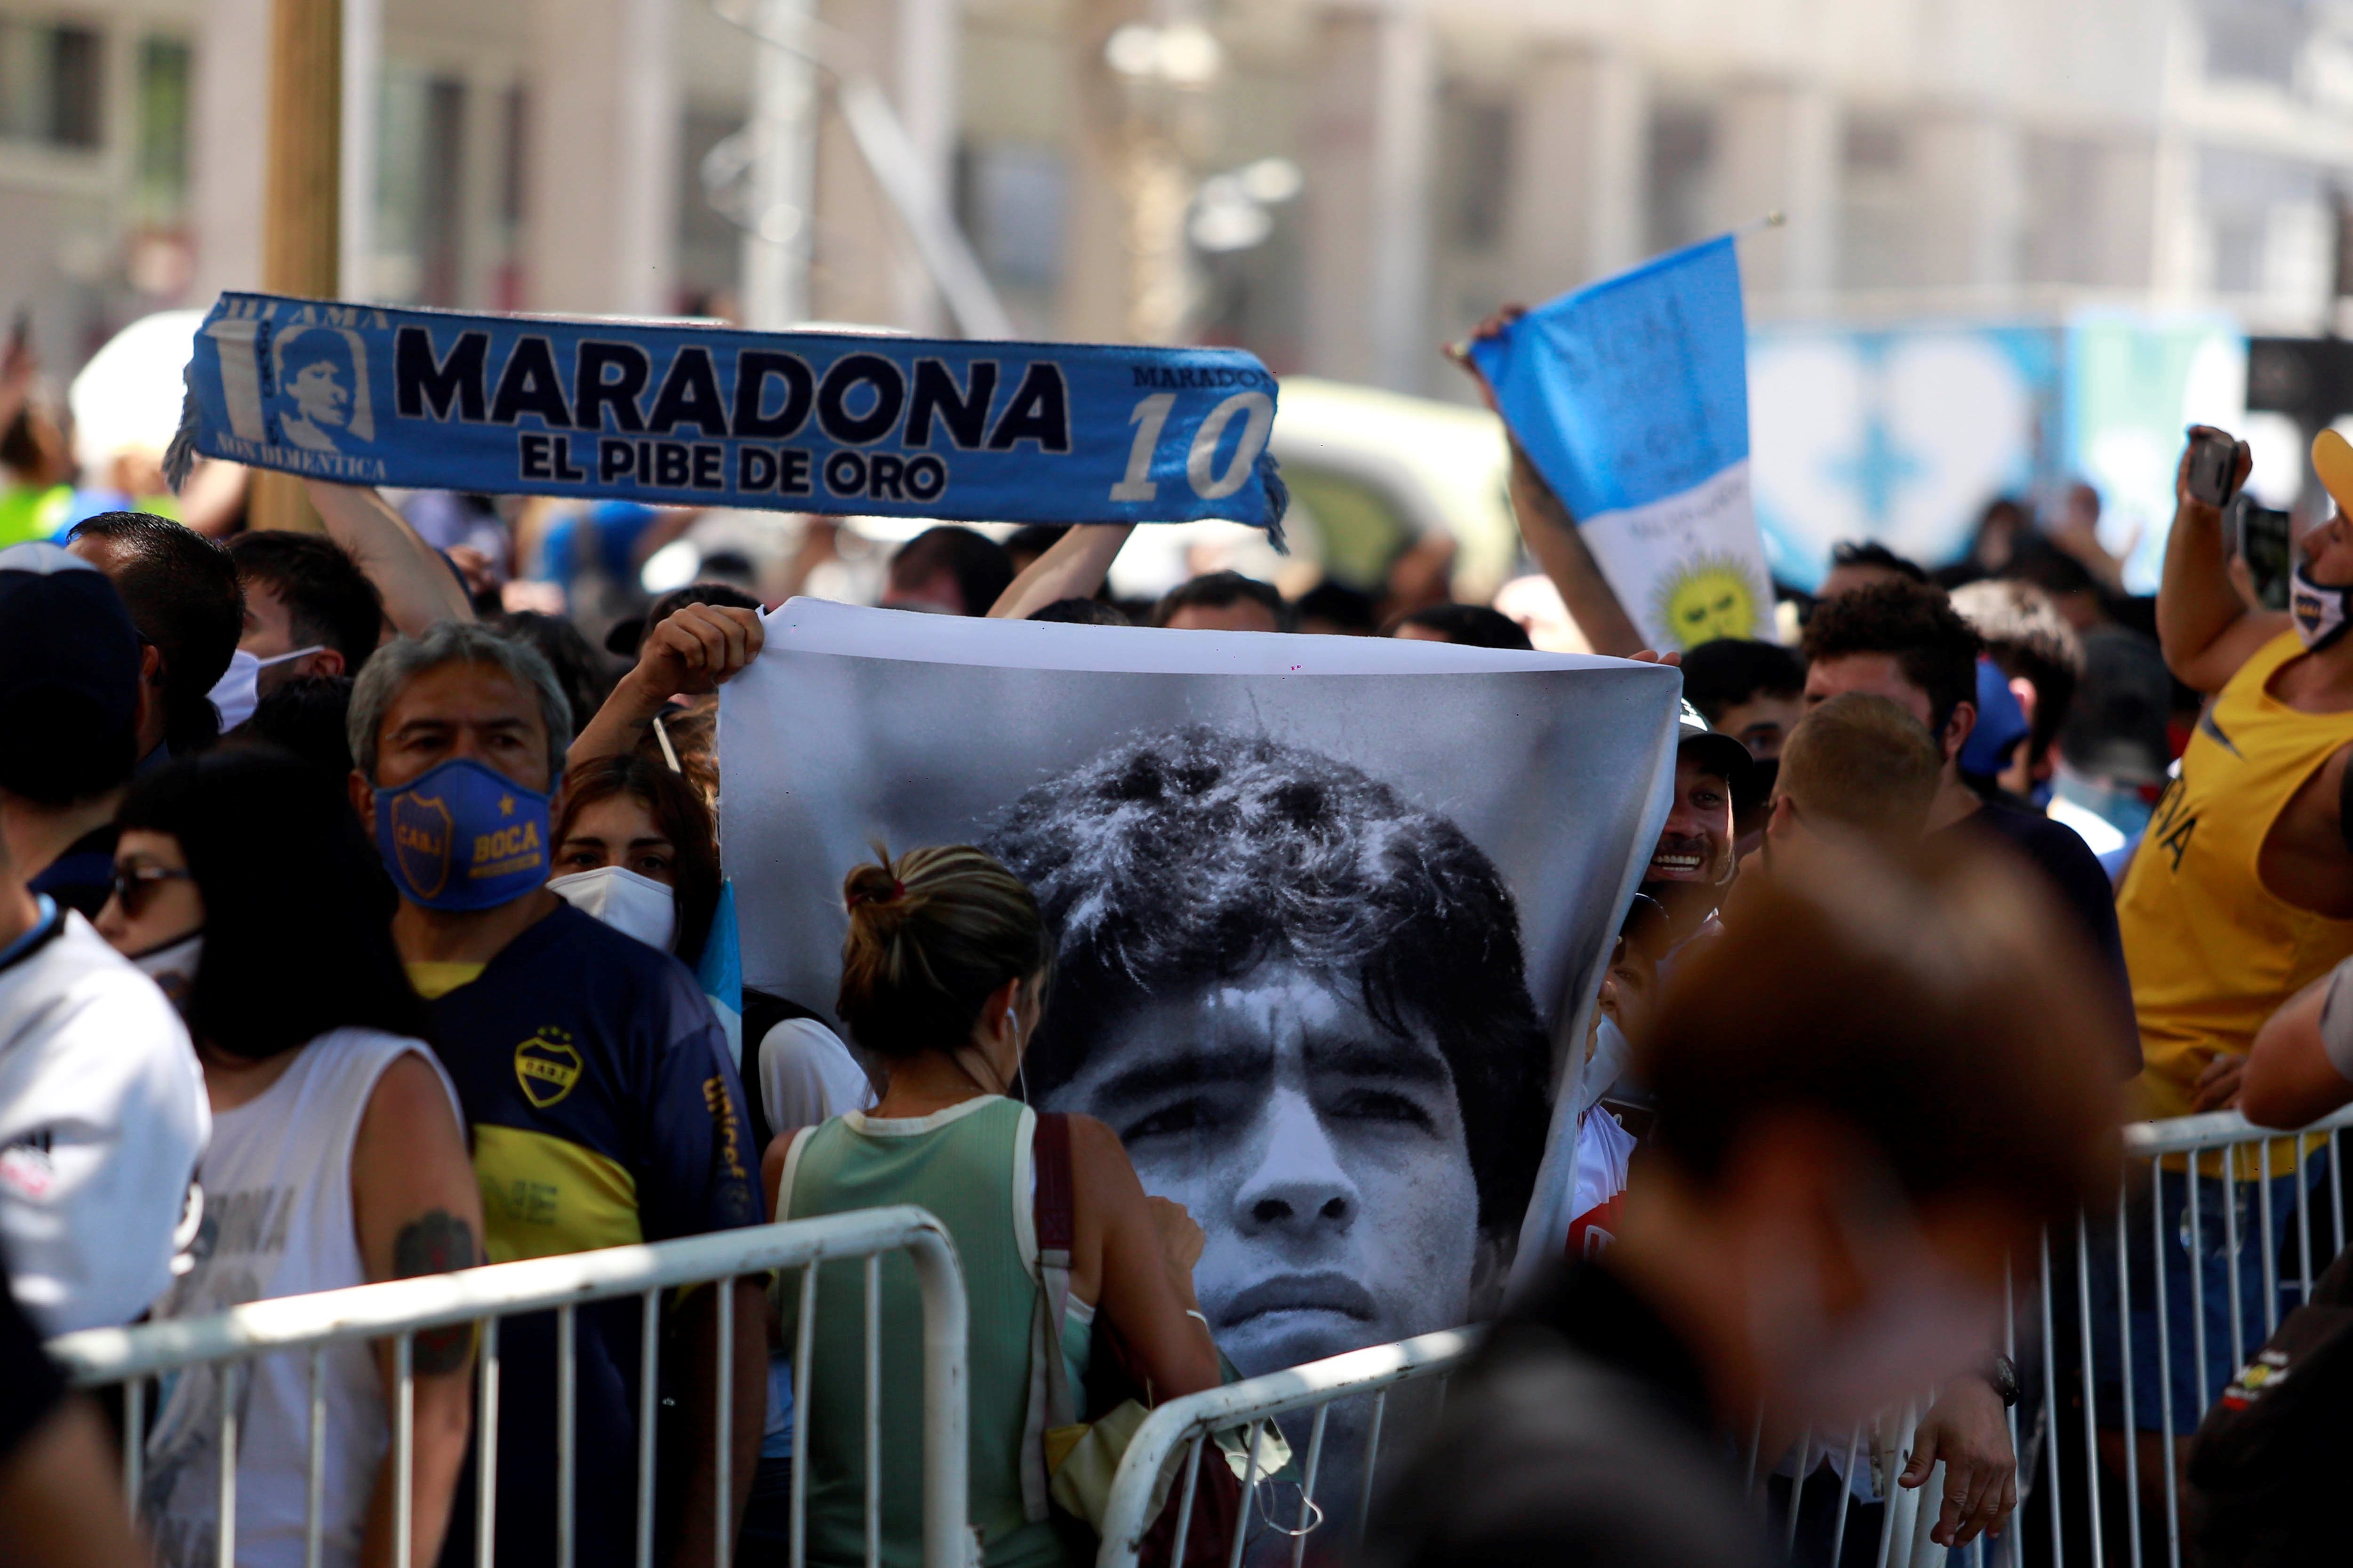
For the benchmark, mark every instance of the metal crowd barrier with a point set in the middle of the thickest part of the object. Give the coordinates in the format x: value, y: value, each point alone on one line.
x: 1251, y: 1405
x: 398, y: 1309
x: 2069, y: 1482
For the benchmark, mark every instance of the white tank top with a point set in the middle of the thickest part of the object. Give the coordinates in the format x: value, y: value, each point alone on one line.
x: 278, y: 1222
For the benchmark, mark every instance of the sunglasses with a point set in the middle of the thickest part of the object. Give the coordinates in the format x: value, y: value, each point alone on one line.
x: 135, y: 886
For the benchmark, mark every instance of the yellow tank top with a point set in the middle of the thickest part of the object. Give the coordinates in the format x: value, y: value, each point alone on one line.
x: 2211, y: 951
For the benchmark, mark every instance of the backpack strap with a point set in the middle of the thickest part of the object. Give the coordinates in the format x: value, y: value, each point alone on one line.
x: 1051, y: 1404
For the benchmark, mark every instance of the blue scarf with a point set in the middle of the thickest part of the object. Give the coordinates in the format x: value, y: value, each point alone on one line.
x: 688, y: 415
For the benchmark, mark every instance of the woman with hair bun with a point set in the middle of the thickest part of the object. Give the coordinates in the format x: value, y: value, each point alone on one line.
x: 945, y: 977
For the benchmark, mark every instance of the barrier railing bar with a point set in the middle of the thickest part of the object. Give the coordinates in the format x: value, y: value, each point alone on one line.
x: 2231, y: 1244
x: 314, y: 1490
x: 2196, y: 1243
x: 722, y: 1479
x: 2050, y: 1405
x: 1846, y: 1487
x: 804, y: 1338
x: 2270, y: 1262
x: 567, y: 1432
x: 2124, y: 1360
x: 135, y: 1454
x: 403, y: 1447
x: 649, y: 1411
x: 1372, y: 1468
x: 2164, y: 1383
x: 2091, y: 1415
x: 1889, y: 1507
x: 875, y: 1411
x: 1798, y: 1490
x: 2336, y: 1192
x: 2213, y: 1130
x: 1192, y: 1485
x: 1250, y: 1495
x: 486, y: 1448
x: 2010, y: 1350
x: 1307, y: 1487
x: 225, y: 1524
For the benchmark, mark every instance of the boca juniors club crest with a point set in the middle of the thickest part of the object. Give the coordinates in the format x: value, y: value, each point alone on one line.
x: 421, y: 837
x: 547, y: 1064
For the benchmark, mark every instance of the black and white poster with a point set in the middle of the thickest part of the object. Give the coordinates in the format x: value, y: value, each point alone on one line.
x: 1328, y: 911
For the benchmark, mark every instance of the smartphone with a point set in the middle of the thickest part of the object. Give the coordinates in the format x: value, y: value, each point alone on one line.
x: 2213, y: 468
x: 2260, y: 537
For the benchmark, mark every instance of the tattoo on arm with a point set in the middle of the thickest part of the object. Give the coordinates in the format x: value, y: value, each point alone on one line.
x: 437, y: 1242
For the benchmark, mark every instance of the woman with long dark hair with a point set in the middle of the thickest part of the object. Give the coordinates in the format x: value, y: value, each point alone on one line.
x: 338, y: 1154
x: 635, y: 848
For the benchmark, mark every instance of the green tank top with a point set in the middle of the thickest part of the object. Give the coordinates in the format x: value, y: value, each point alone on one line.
x: 968, y: 1164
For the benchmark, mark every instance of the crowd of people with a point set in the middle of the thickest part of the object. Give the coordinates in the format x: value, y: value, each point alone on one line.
x: 360, y: 921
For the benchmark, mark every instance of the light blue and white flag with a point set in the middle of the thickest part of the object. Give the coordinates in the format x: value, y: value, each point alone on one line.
x: 681, y: 414
x: 719, y: 972
x: 1630, y: 395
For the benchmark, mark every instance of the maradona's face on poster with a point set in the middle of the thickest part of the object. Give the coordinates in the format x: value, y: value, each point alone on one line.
x: 1300, y: 1002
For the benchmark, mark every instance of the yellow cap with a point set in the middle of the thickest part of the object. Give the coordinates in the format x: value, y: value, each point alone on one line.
x: 2332, y: 459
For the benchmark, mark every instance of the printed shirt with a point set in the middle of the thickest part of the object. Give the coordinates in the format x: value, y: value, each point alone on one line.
x: 605, y: 1111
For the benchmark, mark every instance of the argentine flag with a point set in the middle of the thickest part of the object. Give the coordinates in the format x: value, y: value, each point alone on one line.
x: 1631, y: 396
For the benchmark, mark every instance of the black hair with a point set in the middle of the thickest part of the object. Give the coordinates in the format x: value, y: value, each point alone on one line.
x: 2050, y: 568
x: 1871, y: 554
x: 627, y: 633
x: 1914, y: 623
x: 1216, y: 590
x: 1720, y: 674
x: 1081, y: 612
x: 328, y: 598
x: 583, y: 673
x: 1350, y: 609
x: 306, y: 717
x: 298, y: 911
x: 182, y: 592
x: 1176, y: 860
x: 982, y: 569
x: 1031, y: 540
x: 1472, y: 626
x: 2026, y: 636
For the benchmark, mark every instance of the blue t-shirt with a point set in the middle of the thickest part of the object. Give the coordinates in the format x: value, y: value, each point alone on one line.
x: 606, y: 1111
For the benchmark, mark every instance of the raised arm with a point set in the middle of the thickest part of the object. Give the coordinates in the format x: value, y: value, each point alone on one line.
x: 2206, y: 630
x: 1548, y: 529
x: 696, y: 649
x: 1074, y: 567
x: 418, y: 1211
x: 417, y: 585
x: 1142, y: 1250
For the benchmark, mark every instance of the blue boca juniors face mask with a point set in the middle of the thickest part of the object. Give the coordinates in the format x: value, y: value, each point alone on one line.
x: 462, y: 836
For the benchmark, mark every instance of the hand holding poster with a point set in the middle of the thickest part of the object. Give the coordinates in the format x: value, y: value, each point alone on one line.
x: 1630, y: 395
x: 690, y: 415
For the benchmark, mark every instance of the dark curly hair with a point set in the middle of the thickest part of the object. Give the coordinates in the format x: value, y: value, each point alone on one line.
x: 1914, y: 623
x: 1189, y: 858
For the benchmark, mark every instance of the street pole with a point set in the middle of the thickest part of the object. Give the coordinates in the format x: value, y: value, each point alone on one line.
x: 301, y: 217
x: 779, y: 244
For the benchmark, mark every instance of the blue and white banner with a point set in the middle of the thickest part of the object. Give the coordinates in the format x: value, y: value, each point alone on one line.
x: 1631, y: 396
x: 690, y: 416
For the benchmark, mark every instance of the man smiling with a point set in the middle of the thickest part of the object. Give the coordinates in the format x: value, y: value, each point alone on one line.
x: 1300, y: 1001
x: 1691, y: 867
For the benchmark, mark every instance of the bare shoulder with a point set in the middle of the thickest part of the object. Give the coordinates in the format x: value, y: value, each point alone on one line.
x: 408, y: 1101
x: 1094, y: 1147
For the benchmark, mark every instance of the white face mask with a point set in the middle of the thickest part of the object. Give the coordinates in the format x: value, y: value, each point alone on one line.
x: 635, y: 905
x: 1923, y: 1324
x: 172, y: 966
x: 238, y: 693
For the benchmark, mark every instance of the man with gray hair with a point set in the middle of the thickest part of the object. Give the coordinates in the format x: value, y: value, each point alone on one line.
x: 604, y: 1105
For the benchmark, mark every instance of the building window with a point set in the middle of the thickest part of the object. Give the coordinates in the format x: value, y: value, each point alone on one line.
x: 160, y: 192
x: 50, y: 84
x: 1683, y: 157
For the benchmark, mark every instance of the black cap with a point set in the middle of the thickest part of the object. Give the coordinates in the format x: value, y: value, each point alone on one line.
x: 1718, y: 753
x: 69, y: 677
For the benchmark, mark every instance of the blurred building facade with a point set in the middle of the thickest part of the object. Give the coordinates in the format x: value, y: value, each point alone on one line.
x: 1339, y: 184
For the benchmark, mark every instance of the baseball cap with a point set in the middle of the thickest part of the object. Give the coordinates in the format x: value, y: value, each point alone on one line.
x: 1716, y: 752
x: 69, y: 677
